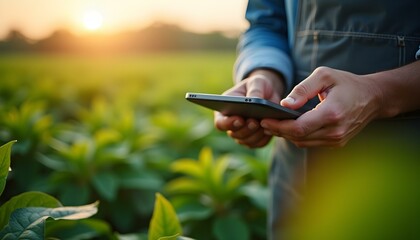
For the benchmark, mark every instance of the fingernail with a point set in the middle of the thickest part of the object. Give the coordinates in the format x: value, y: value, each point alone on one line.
x: 237, y: 123
x: 266, y: 132
x: 252, y: 126
x: 264, y: 125
x: 288, y: 100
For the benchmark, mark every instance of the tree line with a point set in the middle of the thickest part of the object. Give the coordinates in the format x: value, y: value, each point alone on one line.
x: 157, y: 37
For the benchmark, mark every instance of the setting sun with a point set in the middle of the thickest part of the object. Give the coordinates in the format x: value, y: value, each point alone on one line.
x: 92, y: 20
x: 109, y: 17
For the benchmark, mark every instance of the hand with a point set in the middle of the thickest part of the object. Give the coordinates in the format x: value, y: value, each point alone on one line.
x: 261, y: 83
x: 348, y: 103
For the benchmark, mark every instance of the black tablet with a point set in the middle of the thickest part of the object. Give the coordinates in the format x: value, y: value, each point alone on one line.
x: 246, y: 107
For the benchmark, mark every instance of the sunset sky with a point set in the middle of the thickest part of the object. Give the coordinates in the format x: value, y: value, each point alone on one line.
x: 38, y: 18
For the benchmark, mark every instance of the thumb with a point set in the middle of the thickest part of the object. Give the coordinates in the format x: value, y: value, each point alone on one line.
x: 306, y: 90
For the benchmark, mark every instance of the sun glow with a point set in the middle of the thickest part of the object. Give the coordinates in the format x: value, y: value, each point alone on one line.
x: 92, y: 20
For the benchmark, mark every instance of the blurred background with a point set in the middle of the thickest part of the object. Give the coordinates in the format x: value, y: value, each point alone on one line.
x: 93, y: 91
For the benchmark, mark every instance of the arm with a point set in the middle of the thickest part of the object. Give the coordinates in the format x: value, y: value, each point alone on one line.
x: 263, y: 68
x: 265, y: 44
x: 400, y: 90
x: 348, y: 103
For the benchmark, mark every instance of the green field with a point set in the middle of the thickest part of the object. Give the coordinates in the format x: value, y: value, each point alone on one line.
x: 117, y: 129
x: 150, y: 78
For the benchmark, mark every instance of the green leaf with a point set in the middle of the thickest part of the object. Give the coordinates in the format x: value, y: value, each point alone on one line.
x: 206, y: 162
x: 235, y: 181
x: 184, y: 238
x: 220, y: 170
x: 164, y: 223
x: 193, y: 211
x: 106, y: 135
x: 258, y: 194
x: 81, y: 229
x: 73, y: 193
x: 230, y: 228
x: 188, y: 167
x: 140, y: 180
x: 5, y: 152
x: 29, y: 223
x: 106, y: 184
x: 185, y: 185
x: 28, y: 199
x: 53, y: 162
x: 206, y: 158
x: 174, y: 237
x: 131, y: 236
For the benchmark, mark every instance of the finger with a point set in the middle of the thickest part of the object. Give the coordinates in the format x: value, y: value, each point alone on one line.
x: 238, y: 90
x: 250, y: 128
x: 306, y: 124
x: 334, y: 135
x: 256, y: 141
x: 319, y: 81
x: 323, y: 134
x: 324, y: 140
x: 256, y: 87
x: 252, y: 135
x: 225, y: 123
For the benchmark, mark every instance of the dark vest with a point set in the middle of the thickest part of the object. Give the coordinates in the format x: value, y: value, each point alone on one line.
x: 354, y: 192
x: 354, y: 36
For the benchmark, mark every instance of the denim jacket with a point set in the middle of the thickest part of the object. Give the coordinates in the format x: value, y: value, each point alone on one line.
x: 266, y: 44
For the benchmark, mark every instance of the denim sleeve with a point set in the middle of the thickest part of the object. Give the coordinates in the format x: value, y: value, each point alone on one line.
x: 265, y: 43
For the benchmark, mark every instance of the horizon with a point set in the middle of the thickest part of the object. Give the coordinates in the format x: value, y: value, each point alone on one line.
x: 227, y: 33
x: 105, y: 17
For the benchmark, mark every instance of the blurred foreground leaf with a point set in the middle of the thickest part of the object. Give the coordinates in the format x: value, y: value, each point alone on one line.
x: 28, y: 199
x: 164, y: 224
x: 5, y: 152
x: 29, y: 223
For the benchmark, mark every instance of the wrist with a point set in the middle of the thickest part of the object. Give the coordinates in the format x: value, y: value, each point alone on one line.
x: 386, y: 93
